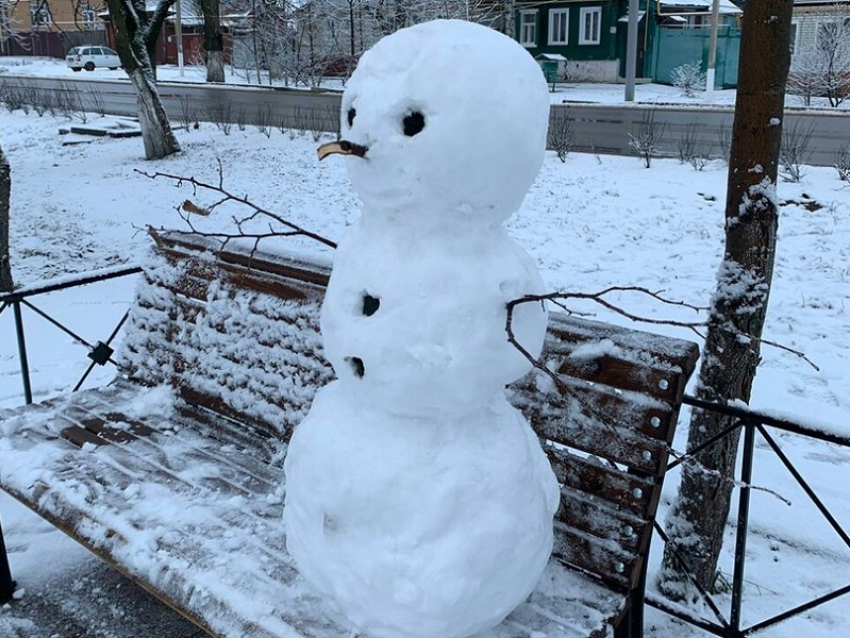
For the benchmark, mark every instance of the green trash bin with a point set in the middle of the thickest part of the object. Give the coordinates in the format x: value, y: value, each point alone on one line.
x: 550, y: 70
x: 550, y: 64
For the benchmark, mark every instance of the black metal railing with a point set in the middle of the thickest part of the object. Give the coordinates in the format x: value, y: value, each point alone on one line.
x: 752, y: 423
x: 99, y: 353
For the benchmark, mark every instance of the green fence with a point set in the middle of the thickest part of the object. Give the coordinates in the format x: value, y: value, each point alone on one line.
x: 673, y: 47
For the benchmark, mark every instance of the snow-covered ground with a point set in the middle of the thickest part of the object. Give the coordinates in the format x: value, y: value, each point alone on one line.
x: 590, y: 222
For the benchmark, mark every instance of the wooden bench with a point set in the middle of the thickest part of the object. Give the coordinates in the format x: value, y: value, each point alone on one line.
x: 172, y: 474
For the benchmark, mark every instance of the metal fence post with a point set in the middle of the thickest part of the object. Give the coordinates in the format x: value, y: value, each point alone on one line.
x: 743, y: 525
x: 7, y: 585
x: 22, y: 350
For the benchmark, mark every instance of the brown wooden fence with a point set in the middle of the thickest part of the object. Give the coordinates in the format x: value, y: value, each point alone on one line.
x: 51, y: 44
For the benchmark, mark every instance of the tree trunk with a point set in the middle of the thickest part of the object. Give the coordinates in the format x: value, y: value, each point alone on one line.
x: 731, y: 355
x: 157, y: 135
x: 6, y: 282
x: 133, y: 38
x: 213, y: 40
x: 509, y: 16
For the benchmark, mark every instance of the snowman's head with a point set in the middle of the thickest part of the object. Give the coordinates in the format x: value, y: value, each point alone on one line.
x: 447, y: 120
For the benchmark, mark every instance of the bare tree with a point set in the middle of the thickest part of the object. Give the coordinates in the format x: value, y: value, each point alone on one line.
x: 136, y: 31
x: 6, y: 282
x: 508, y: 16
x: 213, y: 39
x: 7, y: 30
x: 825, y: 69
x: 302, y: 42
x: 739, y: 306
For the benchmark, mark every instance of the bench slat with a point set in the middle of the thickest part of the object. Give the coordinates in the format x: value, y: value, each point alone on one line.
x: 603, y: 558
x: 598, y: 518
x: 599, y: 432
x: 627, y: 491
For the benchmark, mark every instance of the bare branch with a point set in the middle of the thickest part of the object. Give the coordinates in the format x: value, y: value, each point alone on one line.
x: 558, y: 299
x: 293, y: 229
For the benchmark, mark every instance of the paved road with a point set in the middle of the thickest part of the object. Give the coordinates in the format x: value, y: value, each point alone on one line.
x: 309, y: 110
x: 600, y: 128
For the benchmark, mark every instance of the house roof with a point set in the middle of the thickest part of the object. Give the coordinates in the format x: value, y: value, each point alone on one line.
x: 681, y: 6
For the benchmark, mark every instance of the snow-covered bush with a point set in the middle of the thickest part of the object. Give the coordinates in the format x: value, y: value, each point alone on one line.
x: 645, y: 138
x: 689, y: 78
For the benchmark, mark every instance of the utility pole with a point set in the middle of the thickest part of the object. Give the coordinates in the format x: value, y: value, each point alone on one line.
x: 178, y: 33
x: 712, y: 51
x: 631, y: 51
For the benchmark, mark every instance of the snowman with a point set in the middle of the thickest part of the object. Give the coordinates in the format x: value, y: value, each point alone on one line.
x: 418, y: 500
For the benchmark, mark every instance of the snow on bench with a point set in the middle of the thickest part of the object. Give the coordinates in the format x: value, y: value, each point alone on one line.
x: 173, y: 473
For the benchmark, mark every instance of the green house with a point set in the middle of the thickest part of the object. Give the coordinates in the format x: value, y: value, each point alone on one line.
x: 591, y: 35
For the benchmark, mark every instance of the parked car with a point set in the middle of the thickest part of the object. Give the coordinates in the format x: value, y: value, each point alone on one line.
x: 91, y: 58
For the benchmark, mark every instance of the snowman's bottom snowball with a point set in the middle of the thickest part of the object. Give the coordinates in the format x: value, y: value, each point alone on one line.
x: 418, y: 528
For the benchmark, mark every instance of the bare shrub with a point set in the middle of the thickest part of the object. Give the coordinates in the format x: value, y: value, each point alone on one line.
x: 221, y: 114
x: 794, y: 151
x: 282, y: 125
x: 692, y: 149
x: 645, y: 138
x: 724, y: 142
x: 69, y: 103
x: 96, y: 102
x: 241, y: 118
x: 689, y: 78
x: 263, y: 120
x: 188, y: 113
x: 315, y: 120
x: 561, y: 133
x: 699, y: 161
x: 686, y: 143
x: 42, y: 101
x: 841, y: 163
x: 12, y: 96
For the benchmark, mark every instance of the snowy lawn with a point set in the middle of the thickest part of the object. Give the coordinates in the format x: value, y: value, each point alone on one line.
x: 590, y: 222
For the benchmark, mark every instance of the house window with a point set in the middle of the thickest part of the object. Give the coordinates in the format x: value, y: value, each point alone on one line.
x: 698, y: 22
x: 793, y: 41
x: 528, y: 28
x: 89, y: 16
x: 39, y: 14
x: 559, y: 23
x: 590, y: 25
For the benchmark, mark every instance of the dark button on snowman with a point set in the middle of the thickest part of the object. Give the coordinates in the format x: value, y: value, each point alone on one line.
x: 418, y: 500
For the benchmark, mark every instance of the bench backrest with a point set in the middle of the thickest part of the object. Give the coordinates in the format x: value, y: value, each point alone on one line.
x: 238, y: 333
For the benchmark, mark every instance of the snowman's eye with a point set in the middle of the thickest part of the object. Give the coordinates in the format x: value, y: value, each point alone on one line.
x: 413, y: 123
x: 352, y: 113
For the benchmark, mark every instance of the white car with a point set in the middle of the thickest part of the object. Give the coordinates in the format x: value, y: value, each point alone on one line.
x: 91, y: 58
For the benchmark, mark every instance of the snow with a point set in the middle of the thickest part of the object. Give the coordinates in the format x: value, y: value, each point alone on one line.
x: 588, y: 223
x: 726, y: 6
x: 390, y: 499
